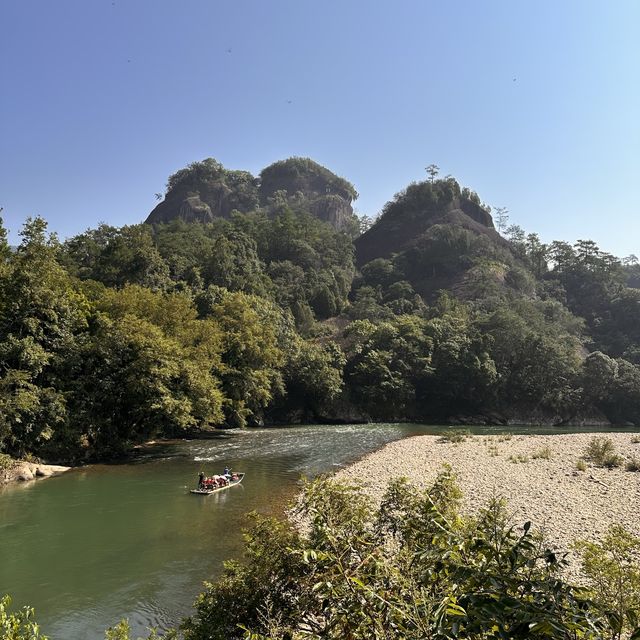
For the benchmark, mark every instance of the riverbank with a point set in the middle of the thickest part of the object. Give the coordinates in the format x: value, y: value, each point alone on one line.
x: 536, y: 474
x: 22, y: 471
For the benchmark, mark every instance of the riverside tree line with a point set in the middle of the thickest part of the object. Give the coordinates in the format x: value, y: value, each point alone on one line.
x: 119, y: 335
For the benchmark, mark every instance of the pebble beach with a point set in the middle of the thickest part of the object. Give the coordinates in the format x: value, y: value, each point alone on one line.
x: 536, y: 474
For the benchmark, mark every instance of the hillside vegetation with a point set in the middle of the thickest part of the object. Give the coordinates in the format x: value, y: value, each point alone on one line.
x: 277, y: 306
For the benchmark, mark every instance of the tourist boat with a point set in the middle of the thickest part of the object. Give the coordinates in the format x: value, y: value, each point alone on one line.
x: 232, y: 483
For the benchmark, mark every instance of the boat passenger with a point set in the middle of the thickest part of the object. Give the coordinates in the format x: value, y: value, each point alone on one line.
x: 201, y: 480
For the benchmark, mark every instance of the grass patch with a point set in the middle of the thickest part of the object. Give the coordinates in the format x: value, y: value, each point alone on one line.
x: 635, y: 440
x: 601, y: 451
x: 519, y: 459
x: 545, y: 454
x: 454, y: 435
x: 612, y: 461
x: 581, y: 465
x: 505, y: 437
x: 633, y: 465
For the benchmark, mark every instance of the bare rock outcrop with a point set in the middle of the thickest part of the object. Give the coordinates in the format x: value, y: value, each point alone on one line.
x: 26, y: 471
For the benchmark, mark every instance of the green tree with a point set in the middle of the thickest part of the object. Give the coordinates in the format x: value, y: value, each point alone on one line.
x: 131, y: 257
x: 432, y: 170
x: 613, y: 571
x: 599, y: 374
x: 132, y: 382
x: 5, y: 250
x: 462, y: 370
x: 234, y: 264
x: 256, y: 336
x: 502, y: 218
x: 536, y: 353
x: 385, y: 363
x: 41, y: 317
x: 313, y: 375
x: 81, y: 254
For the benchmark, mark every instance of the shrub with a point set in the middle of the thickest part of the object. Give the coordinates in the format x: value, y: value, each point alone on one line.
x: 612, y: 461
x: 19, y: 625
x: 545, y: 453
x: 633, y: 465
x: 454, y: 435
x: 6, y: 462
x: 635, y: 440
x: 601, y: 451
x: 581, y: 465
x: 122, y: 631
x: 613, y: 572
x: 517, y: 459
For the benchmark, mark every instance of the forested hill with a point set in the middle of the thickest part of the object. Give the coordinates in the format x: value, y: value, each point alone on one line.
x: 247, y: 300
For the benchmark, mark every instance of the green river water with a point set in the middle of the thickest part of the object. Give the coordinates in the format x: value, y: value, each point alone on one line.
x: 109, y: 541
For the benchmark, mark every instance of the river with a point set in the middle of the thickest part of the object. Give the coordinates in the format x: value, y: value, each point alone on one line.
x: 104, y: 542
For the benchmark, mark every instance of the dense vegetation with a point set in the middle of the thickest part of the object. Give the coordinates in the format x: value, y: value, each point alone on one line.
x: 278, y: 308
x: 119, y: 335
x: 412, y: 568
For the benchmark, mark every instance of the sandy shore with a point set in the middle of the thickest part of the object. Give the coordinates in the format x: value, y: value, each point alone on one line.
x: 568, y: 503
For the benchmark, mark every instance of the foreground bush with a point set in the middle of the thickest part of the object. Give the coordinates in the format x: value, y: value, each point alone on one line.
x: 19, y: 625
x: 614, y: 574
x: 412, y: 568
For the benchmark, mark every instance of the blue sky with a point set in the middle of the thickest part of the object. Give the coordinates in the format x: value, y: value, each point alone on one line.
x: 535, y: 105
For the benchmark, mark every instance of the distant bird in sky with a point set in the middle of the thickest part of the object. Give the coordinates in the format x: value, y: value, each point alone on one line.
x: 229, y: 50
x: 514, y: 79
x: 289, y: 101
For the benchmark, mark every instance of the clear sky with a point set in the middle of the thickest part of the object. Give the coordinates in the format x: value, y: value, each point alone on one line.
x: 534, y: 104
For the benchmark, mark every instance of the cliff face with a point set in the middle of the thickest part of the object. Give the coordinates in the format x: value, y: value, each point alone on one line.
x: 334, y: 210
x: 326, y: 195
x: 203, y: 205
x: 206, y: 190
x: 187, y: 208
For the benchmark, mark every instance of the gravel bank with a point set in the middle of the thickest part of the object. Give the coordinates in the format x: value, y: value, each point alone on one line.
x: 568, y: 503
